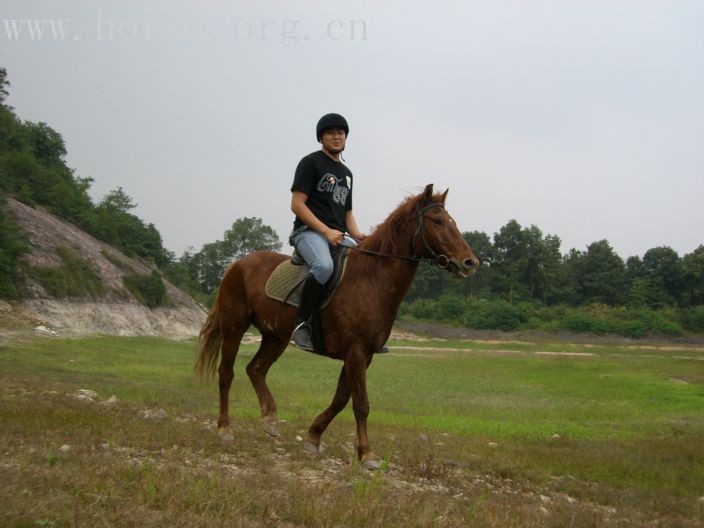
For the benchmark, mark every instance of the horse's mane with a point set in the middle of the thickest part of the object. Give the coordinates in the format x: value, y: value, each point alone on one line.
x: 393, y: 235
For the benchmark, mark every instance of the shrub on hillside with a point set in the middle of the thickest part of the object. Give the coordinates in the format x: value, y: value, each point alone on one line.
x: 13, y: 244
x: 74, y: 277
x: 147, y: 289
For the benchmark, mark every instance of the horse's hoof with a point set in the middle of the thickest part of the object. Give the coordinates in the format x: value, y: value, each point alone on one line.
x: 371, y: 463
x: 226, y: 436
x: 270, y: 428
x: 312, y: 448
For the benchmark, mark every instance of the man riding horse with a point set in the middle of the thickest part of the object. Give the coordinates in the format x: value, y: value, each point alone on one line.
x: 321, y: 199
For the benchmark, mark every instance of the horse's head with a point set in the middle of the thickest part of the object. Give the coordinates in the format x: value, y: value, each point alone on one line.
x: 437, y: 236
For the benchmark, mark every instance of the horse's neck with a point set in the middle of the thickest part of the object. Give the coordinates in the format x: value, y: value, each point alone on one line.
x: 392, y: 279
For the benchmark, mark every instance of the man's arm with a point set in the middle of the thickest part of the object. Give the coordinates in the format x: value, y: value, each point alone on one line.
x: 353, y: 228
x: 302, y: 211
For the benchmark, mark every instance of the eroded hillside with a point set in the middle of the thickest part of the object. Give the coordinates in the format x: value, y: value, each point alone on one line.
x: 104, y: 299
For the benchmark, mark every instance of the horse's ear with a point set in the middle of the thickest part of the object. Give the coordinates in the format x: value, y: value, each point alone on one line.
x: 443, y: 196
x: 428, y: 193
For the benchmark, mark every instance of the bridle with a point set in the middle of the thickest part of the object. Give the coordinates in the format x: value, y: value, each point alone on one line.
x: 441, y: 261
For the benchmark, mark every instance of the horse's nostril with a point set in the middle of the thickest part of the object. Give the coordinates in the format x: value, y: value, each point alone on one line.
x: 468, y: 263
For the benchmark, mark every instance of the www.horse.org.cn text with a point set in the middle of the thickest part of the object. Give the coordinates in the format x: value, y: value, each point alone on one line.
x: 287, y: 32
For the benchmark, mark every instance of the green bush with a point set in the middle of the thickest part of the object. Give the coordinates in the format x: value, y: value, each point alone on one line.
x: 594, y: 319
x: 147, y: 289
x: 656, y: 321
x: 422, y: 309
x: 693, y: 319
x: 448, y: 308
x: 493, y: 315
x: 74, y: 277
x: 636, y: 328
x: 633, y: 322
x: 588, y: 323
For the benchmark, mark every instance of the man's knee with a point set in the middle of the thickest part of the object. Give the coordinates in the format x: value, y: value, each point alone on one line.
x: 322, y: 271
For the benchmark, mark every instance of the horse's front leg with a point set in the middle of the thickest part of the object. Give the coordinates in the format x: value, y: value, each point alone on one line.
x: 356, y: 364
x: 321, y: 422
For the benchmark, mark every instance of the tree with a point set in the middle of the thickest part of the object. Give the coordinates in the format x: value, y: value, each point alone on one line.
x: 122, y: 229
x: 482, y: 248
x: 246, y: 235
x: 693, y: 277
x: 429, y: 283
x: 3, y: 83
x: 46, y: 143
x: 534, y: 250
x: 637, y: 283
x: 117, y: 200
x: 663, y: 271
x: 599, y: 274
x: 549, y: 266
x: 510, y: 257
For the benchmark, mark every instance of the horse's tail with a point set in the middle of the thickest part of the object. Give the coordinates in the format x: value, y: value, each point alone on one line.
x: 209, y: 343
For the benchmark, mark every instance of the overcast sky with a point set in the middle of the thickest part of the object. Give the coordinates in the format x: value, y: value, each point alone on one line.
x: 584, y: 118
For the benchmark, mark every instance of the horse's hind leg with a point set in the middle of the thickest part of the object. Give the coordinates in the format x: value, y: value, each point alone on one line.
x: 230, y: 346
x: 269, y: 351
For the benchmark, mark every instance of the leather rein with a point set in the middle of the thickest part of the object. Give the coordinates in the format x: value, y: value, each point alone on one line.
x: 441, y: 261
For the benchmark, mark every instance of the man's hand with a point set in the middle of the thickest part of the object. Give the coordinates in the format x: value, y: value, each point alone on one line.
x: 334, y: 236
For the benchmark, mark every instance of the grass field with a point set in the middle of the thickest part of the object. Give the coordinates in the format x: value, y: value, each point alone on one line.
x: 473, y: 434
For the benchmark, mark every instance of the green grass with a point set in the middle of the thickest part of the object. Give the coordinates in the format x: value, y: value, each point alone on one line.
x: 630, y: 423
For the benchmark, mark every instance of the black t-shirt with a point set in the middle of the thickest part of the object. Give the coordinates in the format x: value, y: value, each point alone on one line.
x: 328, y: 185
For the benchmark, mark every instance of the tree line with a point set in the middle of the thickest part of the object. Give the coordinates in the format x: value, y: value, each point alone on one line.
x: 520, y: 264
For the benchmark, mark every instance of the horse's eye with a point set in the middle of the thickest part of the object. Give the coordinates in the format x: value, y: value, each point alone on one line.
x: 438, y: 221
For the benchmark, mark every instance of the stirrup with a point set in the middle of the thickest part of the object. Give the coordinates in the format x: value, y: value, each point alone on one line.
x: 301, y: 337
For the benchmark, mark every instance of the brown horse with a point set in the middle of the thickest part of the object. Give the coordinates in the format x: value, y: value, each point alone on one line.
x: 356, y: 323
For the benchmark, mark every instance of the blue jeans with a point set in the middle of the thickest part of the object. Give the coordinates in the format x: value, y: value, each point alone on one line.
x: 315, y: 250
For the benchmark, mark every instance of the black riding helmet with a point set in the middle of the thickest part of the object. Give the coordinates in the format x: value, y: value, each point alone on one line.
x: 329, y: 121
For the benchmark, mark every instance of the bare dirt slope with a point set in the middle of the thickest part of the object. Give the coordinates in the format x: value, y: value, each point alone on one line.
x: 118, y: 312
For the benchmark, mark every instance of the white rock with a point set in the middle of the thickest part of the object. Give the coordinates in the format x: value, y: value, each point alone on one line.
x: 65, y: 448
x: 545, y: 498
x: 112, y: 400
x: 85, y: 394
x: 148, y: 414
x: 556, y: 436
x: 493, y: 444
x: 544, y: 510
x: 41, y: 329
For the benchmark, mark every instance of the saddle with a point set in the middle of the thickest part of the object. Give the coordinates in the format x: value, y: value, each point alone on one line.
x: 286, y: 282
